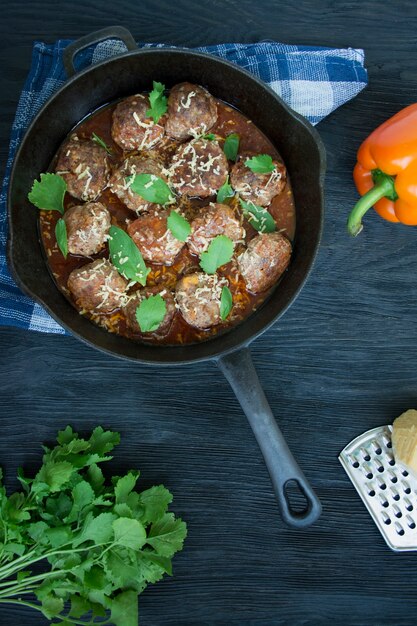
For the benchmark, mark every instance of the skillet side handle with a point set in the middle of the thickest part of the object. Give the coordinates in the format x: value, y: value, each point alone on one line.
x: 111, y: 32
x: 239, y: 370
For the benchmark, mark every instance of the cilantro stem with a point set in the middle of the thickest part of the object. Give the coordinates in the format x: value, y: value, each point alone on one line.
x: 24, y: 602
x: 33, y: 579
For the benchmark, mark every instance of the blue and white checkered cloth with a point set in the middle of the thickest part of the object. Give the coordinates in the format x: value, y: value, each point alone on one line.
x: 313, y: 81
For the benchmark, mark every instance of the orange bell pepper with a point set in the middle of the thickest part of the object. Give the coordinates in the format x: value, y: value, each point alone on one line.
x: 386, y: 172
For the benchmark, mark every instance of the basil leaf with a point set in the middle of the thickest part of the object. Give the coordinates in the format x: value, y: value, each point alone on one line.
x: 151, y: 188
x: 231, y: 146
x: 178, y: 226
x: 219, y: 252
x: 225, y: 191
x: 61, y: 236
x: 158, y: 102
x: 48, y: 194
x: 101, y: 142
x: 150, y: 313
x: 208, y: 136
x: 261, y: 164
x: 126, y: 256
x: 259, y: 217
x: 226, y: 303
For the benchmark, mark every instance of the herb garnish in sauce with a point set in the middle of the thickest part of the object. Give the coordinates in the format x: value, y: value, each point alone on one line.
x: 225, y: 191
x: 150, y: 313
x: 126, y: 257
x: 178, y: 226
x: 261, y: 164
x: 101, y: 142
x: 151, y: 188
x: 226, y: 303
x: 48, y: 194
x: 61, y: 236
x: 208, y: 136
x: 158, y: 102
x: 219, y: 252
x: 259, y: 217
x: 231, y: 146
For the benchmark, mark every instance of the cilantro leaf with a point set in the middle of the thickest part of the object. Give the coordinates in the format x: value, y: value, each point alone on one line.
x: 259, y: 217
x: 129, y: 533
x: 178, y: 226
x: 167, y: 535
x: 155, y: 502
x: 260, y: 164
x: 55, y: 475
x: 225, y: 191
x: 158, y: 102
x: 124, y: 609
x: 124, y: 486
x: 48, y: 194
x: 219, y: 252
x: 208, y: 136
x: 101, y: 142
x: 61, y: 236
x: 151, y: 188
x: 126, y: 257
x: 226, y: 303
x: 98, y: 529
x: 231, y: 146
x: 151, y: 313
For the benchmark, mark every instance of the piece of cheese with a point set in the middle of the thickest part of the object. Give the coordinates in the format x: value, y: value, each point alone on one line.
x: 404, y: 439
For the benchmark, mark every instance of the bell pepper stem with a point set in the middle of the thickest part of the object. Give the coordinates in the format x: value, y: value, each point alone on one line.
x: 382, y: 189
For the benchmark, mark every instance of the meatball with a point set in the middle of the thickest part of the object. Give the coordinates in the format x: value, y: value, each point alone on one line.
x: 97, y: 286
x: 257, y: 188
x: 151, y: 235
x: 191, y: 111
x: 121, y: 187
x: 136, y: 298
x: 84, y: 166
x: 216, y: 219
x: 198, y: 168
x: 131, y: 129
x: 198, y: 297
x: 264, y: 260
x: 87, y: 228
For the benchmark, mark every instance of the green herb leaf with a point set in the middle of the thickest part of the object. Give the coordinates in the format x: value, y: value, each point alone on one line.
x: 231, y: 146
x: 124, y: 609
x: 219, y: 252
x: 226, y: 303
x: 158, y: 102
x: 129, y: 533
x: 167, y: 535
x: 225, y: 191
x: 101, y: 142
x: 151, y: 188
x: 98, y: 529
x: 61, y: 236
x: 52, y: 606
x: 259, y: 217
x: 150, y: 313
x: 48, y: 194
x: 55, y: 475
x: 155, y: 502
x: 126, y: 256
x: 178, y: 226
x: 125, y: 486
x: 260, y: 164
x: 208, y: 136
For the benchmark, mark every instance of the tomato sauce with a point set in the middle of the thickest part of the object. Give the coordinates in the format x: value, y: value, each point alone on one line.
x: 244, y: 302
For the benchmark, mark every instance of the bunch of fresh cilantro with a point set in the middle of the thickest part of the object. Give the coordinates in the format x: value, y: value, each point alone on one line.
x: 94, y: 546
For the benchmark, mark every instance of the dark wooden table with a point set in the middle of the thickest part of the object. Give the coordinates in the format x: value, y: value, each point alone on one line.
x: 341, y: 361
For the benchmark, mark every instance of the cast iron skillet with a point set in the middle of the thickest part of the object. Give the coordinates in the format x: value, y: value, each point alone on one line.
x: 303, y: 153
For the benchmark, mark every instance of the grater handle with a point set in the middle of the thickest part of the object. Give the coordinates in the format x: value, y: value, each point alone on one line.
x: 239, y: 370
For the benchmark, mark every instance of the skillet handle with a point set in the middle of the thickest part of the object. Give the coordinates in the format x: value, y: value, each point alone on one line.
x: 241, y: 374
x: 111, y: 32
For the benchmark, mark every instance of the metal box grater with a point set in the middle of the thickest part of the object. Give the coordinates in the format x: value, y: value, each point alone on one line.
x: 388, y: 490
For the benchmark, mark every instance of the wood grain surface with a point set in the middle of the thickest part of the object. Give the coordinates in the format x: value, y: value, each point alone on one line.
x: 341, y: 361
